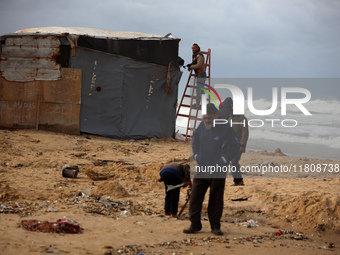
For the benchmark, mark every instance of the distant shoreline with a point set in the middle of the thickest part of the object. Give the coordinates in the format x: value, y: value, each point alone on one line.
x: 294, y: 149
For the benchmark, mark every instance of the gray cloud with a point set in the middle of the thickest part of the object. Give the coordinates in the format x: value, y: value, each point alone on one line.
x: 294, y: 38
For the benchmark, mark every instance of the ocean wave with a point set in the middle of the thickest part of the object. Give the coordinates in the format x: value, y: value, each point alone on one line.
x: 321, y: 128
x: 314, y: 106
x: 311, y: 138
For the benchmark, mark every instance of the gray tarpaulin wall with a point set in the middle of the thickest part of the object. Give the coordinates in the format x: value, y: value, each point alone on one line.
x: 125, y: 98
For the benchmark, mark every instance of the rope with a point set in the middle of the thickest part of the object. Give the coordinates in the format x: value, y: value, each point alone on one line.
x: 168, y: 88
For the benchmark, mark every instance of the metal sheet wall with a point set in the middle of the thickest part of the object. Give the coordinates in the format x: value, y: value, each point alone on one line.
x: 157, y: 51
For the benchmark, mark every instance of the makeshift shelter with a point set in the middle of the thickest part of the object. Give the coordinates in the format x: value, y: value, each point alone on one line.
x: 73, y: 80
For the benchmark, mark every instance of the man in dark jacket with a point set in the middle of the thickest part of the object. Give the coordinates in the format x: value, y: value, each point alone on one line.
x: 240, y: 125
x: 198, y: 66
x: 174, y: 174
x: 212, y: 148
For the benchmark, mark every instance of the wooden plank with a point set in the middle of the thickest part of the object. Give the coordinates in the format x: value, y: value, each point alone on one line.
x: 17, y: 114
x: 62, y: 118
x: 18, y: 91
x: 58, y: 109
x: 65, y: 90
x: 60, y: 103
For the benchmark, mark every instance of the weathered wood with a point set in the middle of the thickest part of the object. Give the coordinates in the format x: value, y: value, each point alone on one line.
x: 17, y: 114
x: 19, y: 91
x: 48, y: 105
x: 62, y: 118
x: 67, y: 90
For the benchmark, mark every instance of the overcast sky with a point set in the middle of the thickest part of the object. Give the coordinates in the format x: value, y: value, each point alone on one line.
x: 248, y: 38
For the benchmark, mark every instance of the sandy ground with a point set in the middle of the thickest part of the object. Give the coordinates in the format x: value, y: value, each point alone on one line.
x: 118, y: 202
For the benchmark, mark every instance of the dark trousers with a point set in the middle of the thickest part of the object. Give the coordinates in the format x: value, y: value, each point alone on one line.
x: 172, y: 196
x: 237, y: 174
x: 199, y: 86
x: 215, y: 206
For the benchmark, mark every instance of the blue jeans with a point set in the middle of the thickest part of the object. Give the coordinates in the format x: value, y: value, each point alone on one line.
x: 200, y: 80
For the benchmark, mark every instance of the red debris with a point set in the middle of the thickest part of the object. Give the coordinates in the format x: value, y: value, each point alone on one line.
x: 61, y: 226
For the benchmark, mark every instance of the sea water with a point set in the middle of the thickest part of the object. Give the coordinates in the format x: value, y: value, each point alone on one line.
x: 314, y: 136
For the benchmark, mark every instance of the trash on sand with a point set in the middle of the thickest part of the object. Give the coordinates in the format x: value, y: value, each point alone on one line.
x: 179, y: 136
x: 145, y: 143
x: 240, y: 199
x: 125, y: 213
x: 107, y: 247
x: 53, y: 252
x: 60, y: 226
x: 250, y: 223
x: 323, y: 247
x: 70, y: 171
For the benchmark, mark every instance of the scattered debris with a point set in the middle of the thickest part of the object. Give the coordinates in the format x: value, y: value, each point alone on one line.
x: 60, y: 226
x: 240, y: 199
x: 331, y: 246
x: 249, y: 223
x: 145, y: 143
x: 70, y: 171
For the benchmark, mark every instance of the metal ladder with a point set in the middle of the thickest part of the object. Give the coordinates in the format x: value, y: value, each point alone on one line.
x: 190, y: 93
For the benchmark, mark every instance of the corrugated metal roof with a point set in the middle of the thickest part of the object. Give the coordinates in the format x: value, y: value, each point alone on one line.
x: 88, y: 32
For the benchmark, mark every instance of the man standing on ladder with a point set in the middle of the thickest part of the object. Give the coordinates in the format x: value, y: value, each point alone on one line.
x: 197, y: 65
